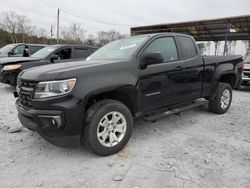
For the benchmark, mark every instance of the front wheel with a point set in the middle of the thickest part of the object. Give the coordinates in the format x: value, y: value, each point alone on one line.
x: 223, y: 98
x: 108, y: 127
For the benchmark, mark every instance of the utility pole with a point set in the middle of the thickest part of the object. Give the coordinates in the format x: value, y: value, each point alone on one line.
x: 58, y: 17
x: 51, y: 33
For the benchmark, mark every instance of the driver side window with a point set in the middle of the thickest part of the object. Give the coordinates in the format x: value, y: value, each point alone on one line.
x: 165, y: 45
x: 19, y: 50
x: 64, y: 54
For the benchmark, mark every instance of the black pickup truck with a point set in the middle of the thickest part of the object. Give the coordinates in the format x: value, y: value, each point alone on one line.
x: 20, y: 50
x: 148, y: 76
x: 10, y: 67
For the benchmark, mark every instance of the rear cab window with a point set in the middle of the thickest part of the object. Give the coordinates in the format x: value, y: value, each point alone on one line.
x: 81, y: 53
x: 34, y: 49
x: 188, y: 47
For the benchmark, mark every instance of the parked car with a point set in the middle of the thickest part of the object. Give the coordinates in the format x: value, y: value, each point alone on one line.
x: 147, y: 76
x: 246, y: 71
x: 20, y: 50
x: 11, y: 67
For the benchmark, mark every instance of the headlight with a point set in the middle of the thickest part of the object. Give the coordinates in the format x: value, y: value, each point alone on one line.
x: 54, y: 88
x: 18, y: 85
x: 11, y: 67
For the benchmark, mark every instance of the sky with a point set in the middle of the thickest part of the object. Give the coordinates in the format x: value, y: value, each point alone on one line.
x: 124, y: 12
x: 97, y: 15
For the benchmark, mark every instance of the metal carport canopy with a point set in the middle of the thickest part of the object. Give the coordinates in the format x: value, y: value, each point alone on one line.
x: 230, y: 28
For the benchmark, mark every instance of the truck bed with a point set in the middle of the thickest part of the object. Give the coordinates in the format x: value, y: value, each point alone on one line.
x: 235, y: 59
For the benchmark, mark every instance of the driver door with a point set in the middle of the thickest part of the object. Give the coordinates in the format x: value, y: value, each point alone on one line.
x: 162, y: 84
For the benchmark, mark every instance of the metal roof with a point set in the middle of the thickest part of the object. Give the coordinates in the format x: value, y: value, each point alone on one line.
x: 230, y: 28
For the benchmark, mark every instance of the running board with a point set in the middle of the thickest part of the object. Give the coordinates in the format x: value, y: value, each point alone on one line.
x: 170, y: 111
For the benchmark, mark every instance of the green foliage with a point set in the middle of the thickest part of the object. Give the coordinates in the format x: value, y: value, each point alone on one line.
x: 5, y: 38
x: 101, y: 40
x: 16, y: 28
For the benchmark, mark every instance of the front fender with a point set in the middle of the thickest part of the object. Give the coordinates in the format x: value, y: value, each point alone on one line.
x: 126, y: 94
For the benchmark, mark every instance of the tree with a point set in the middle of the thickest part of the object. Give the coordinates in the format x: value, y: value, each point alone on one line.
x: 5, y: 38
x: 42, y: 32
x: 9, y: 23
x: 73, y: 33
x: 18, y: 28
x: 24, y: 27
x: 18, y: 25
x: 90, y: 40
x: 105, y: 37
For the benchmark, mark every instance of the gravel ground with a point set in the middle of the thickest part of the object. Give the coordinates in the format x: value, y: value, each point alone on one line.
x: 193, y: 149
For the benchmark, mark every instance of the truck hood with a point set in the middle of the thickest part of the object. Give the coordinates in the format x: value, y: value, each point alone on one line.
x: 11, y: 60
x: 3, y: 55
x: 59, y: 71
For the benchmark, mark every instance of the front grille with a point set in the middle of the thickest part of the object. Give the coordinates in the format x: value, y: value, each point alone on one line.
x: 26, y: 93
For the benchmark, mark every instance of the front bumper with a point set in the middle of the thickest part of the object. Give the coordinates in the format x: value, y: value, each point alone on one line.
x: 8, y: 78
x: 50, y: 124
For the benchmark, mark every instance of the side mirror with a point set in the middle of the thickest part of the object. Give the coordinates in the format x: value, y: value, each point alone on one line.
x: 152, y: 58
x: 26, y: 52
x: 10, y: 53
x: 53, y: 58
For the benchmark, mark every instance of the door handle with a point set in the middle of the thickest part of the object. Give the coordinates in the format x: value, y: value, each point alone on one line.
x: 179, y: 68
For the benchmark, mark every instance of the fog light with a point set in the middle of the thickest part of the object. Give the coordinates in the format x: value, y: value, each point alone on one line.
x: 51, y: 121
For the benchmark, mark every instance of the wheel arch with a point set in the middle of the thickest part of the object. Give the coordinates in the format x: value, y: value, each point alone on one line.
x: 125, y: 94
x: 229, y: 78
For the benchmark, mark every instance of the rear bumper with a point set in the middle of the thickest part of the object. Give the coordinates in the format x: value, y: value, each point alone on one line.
x: 50, y: 124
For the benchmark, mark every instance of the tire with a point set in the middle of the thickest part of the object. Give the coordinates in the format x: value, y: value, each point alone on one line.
x: 222, y: 99
x: 101, y: 134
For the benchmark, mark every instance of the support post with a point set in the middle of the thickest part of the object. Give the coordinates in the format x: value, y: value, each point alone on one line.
x: 58, y: 17
x: 216, y: 47
x: 226, y: 40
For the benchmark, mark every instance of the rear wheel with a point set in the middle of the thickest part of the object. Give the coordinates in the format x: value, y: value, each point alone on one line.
x: 223, y: 98
x: 108, y: 127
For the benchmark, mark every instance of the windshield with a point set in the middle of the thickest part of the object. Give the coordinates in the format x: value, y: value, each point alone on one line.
x: 247, y: 60
x: 119, y: 49
x: 44, y: 52
x: 6, y: 49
